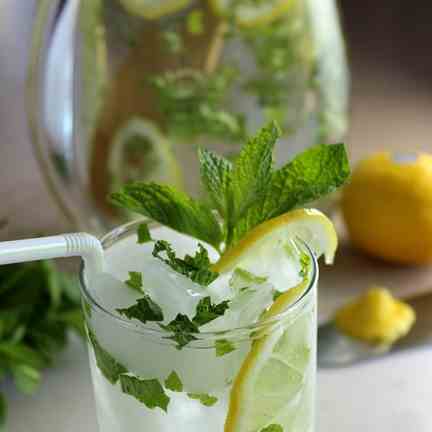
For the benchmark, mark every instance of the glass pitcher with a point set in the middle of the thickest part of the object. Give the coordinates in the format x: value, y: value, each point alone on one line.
x: 124, y: 90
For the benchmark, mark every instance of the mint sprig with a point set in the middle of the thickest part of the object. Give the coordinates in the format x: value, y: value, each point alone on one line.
x: 245, y: 192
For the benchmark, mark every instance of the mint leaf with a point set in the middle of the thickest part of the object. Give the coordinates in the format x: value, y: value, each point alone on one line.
x: 26, y: 378
x: 206, y: 311
x: 110, y: 368
x: 276, y: 294
x: 173, y: 382
x: 19, y: 353
x: 148, y: 391
x: 309, y: 176
x: 242, y: 279
x: 216, y: 178
x: 223, y: 347
x: 144, y: 310
x: 305, y: 261
x: 196, y: 268
x: 143, y: 233
x: 273, y: 428
x: 135, y: 281
x: 182, y: 329
x: 171, y: 208
x: 204, y: 398
x: 252, y: 169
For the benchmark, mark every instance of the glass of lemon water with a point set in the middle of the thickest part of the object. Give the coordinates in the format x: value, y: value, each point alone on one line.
x: 251, y: 369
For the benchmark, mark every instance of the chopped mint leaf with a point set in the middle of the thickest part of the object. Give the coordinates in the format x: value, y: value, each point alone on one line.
x: 206, y: 311
x: 182, y: 328
x: 309, y: 176
x: 276, y: 294
x: 223, y: 347
x: 252, y: 170
x: 195, y: 22
x: 172, y: 41
x: 171, y: 208
x: 304, y: 264
x: 216, y: 178
x: 205, y: 399
x: 135, y: 281
x: 26, y: 378
x: 196, y: 268
x: 148, y: 391
x: 144, y: 310
x: 173, y: 382
x: 242, y: 278
x: 202, y: 97
x: 273, y: 428
x: 110, y: 368
x: 143, y: 233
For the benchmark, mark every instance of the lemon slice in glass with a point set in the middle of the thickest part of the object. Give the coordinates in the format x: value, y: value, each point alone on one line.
x: 154, y: 9
x: 275, y: 380
x: 310, y: 225
x: 252, y: 13
x: 140, y: 152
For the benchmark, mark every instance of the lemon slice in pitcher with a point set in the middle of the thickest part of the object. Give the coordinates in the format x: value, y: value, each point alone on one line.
x: 252, y: 13
x: 154, y: 9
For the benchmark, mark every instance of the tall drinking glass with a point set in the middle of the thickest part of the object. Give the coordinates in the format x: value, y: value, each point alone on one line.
x: 260, y: 377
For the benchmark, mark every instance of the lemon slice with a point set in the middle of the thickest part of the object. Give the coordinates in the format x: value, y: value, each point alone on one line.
x: 154, y: 9
x: 273, y: 383
x: 276, y: 379
x: 310, y: 225
x: 248, y: 14
x: 140, y: 152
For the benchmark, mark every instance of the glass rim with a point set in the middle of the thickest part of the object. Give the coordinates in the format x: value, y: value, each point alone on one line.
x: 129, y: 228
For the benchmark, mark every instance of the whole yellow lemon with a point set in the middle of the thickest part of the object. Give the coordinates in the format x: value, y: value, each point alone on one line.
x: 387, y: 207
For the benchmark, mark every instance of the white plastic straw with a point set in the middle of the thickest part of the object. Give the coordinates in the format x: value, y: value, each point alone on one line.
x: 61, y: 246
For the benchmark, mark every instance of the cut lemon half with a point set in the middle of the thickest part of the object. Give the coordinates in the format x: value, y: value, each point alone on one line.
x: 154, y: 9
x: 310, y: 225
x: 252, y: 14
x: 274, y: 382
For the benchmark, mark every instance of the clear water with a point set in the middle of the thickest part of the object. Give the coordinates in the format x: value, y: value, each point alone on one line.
x: 148, y: 356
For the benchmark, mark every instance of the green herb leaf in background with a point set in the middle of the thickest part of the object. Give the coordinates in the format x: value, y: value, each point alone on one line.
x: 173, y: 382
x: 148, y: 391
x: 144, y: 310
x: 38, y: 307
x: 196, y: 268
x: 135, y: 281
x: 204, y: 398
